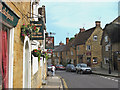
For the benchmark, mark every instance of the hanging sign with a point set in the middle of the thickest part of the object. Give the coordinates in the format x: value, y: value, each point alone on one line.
x: 49, y: 43
x: 40, y: 34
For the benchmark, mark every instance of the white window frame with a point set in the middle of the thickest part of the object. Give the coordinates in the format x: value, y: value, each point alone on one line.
x: 88, y: 47
x: 107, y: 48
x: 11, y: 58
x: 71, y: 52
x: 95, y: 37
x: 96, y: 60
x: 106, y: 38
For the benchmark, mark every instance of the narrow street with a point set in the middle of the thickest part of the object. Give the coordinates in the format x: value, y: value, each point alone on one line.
x: 74, y: 80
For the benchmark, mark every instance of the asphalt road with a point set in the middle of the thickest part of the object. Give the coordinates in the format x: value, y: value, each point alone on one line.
x: 74, y: 80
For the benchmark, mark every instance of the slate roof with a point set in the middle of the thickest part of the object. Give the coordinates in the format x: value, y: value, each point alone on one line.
x: 67, y: 47
x: 82, y: 37
x: 113, y: 31
x: 58, y: 48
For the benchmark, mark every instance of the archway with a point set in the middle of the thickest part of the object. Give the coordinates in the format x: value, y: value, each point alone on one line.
x: 26, y: 64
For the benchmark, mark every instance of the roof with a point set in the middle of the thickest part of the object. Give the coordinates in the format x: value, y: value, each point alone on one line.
x: 82, y: 37
x: 58, y: 48
x: 113, y: 31
x: 67, y: 47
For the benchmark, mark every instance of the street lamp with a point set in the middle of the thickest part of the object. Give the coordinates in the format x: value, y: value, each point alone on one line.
x: 110, y: 49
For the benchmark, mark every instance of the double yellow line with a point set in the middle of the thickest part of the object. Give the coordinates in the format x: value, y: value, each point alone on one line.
x: 65, y: 85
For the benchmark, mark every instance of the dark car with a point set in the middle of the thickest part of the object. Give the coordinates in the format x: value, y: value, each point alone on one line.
x: 60, y: 67
x: 70, y: 67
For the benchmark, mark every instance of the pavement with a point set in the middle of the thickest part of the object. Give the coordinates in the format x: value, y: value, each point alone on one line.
x: 53, y: 82
x: 105, y: 72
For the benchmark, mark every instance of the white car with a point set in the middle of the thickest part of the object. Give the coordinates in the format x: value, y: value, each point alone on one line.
x: 83, y: 68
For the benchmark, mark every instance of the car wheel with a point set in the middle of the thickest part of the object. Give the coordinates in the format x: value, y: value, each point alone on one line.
x: 77, y: 71
x: 81, y: 72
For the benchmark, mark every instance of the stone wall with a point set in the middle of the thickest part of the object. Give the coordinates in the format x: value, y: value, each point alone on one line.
x: 21, y: 9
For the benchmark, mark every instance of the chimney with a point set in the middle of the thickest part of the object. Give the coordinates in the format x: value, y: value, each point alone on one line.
x: 67, y: 40
x: 61, y: 43
x: 75, y: 35
x: 82, y: 29
x: 97, y: 23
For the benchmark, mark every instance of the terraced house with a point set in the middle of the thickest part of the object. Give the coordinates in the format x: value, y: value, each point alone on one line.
x: 87, y: 44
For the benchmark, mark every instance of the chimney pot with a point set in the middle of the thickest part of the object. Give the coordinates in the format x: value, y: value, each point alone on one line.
x: 67, y: 40
x: 82, y: 29
x: 97, y: 23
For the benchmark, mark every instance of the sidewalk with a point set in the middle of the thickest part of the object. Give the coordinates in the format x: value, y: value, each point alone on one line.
x: 53, y: 82
x: 101, y: 71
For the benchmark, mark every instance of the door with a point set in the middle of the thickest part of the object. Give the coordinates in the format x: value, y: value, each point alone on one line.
x: 4, y: 58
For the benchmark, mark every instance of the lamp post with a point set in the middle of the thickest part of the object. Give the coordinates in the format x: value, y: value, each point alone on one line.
x: 110, y: 49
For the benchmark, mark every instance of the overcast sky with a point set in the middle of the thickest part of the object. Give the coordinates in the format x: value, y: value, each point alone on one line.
x: 65, y: 17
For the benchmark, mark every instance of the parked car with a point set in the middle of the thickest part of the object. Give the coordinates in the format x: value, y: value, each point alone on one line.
x: 70, y: 67
x: 60, y: 67
x: 49, y: 67
x: 83, y: 68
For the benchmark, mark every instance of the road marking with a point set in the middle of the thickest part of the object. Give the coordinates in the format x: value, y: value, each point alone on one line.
x: 113, y: 79
x: 116, y: 80
x: 65, y: 85
x: 109, y: 78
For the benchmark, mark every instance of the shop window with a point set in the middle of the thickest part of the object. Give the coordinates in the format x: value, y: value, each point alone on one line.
x: 94, y: 59
x: 95, y: 38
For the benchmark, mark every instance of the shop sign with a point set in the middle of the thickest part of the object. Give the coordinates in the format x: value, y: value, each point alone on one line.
x: 7, y: 15
x: 40, y: 34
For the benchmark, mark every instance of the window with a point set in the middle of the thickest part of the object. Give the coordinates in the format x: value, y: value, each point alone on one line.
x: 78, y: 48
x: 106, y: 38
x: 71, y: 52
x: 95, y: 38
x: 88, y: 47
x: 58, y: 54
x: 54, y: 55
x: 107, y: 48
x: 106, y: 60
x: 94, y: 59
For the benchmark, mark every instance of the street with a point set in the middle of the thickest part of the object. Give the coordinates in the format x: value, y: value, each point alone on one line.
x: 74, y: 80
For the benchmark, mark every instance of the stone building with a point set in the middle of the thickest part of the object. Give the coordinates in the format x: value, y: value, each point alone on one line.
x: 57, y: 54
x: 110, y: 45
x: 87, y: 44
x: 18, y: 66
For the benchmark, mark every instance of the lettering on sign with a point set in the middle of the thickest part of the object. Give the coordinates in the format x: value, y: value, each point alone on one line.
x: 6, y: 12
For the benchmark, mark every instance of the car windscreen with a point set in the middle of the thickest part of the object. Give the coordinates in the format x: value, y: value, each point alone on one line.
x: 61, y: 65
x: 83, y: 65
x: 72, y: 66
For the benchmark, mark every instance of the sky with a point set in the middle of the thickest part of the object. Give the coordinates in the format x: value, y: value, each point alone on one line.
x: 66, y: 17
